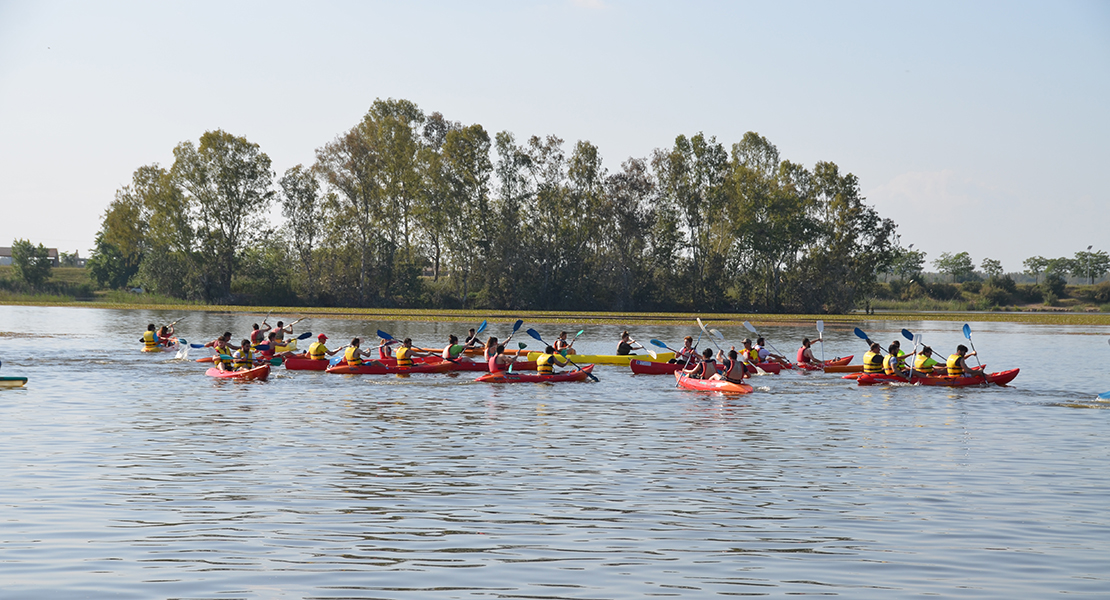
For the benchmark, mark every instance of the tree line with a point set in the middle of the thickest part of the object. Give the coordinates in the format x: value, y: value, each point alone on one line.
x: 411, y: 209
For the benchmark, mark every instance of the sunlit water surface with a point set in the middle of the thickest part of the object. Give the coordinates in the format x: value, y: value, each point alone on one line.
x: 131, y: 475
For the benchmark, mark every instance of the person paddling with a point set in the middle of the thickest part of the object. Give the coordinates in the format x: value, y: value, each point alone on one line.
x: 453, y: 351
x: 873, y: 359
x: 627, y: 345
x: 318, y: 351
x: 805, y: 354
x: 750, y: 354
x: 924, y: 365
x: 546, y: 362
x: 498, y: 362
x: 225, y: 339
x: 165, y: 335
x: 893, y: 363
x: 766, y: 355
x: 385, y: 351
x: 687, y: 354
x: 490, y: 349
x: 222, y: 359
x: 705, y: 369
x: 957, y: 363
x: 562, y: 346
x: 257, y: 335
x: 354, y: 354
x: 733, y: 369
x: 243, y: 358
x: 471, y: 339
x: 281, y: 330
x: 406, y: 353
x: 150, y: 337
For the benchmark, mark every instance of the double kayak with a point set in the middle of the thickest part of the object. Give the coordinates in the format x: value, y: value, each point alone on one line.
x: 999, y: 378
x: 12, y: 382
x: 389, y: 367
x: 514, y: 377
x: 300, y: 363
x: 647, y: 367
x: 612, y: 359
x: 259, y: 373
x: 712, y: 385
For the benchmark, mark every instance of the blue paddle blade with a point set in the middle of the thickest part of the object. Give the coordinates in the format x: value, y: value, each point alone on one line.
x: 906, y: 334
x: 1104, y: 396
x: 335, y: 359
x: 657, y: 343
x: 535, y: 334
x: 967, y: 331
x: 305, y: 335
x: 182, y: 341
x: 196, y: 345
x: 481, y: 328
x: 384, y: 335
x: 861, y: 335
x: 517, y: 325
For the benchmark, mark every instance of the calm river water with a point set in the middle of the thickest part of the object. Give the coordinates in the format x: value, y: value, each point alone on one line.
x: 131, y: 475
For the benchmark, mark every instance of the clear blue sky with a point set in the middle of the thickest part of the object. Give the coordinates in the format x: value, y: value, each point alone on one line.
x: 977, y: 126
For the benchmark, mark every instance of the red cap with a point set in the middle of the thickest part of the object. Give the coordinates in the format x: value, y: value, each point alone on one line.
x: 322, y: 337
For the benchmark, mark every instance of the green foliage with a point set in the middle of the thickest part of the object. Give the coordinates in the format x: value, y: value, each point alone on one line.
x: 995, y: 296
x: 1053, y: 284
x: 30, y: 263
x: 959, y: 266
x: 991, y: 267
x: 971, y: 287
x: 1034, y: 266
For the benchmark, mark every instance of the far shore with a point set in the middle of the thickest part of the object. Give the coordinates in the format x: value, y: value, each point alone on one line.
x: 595, y: 318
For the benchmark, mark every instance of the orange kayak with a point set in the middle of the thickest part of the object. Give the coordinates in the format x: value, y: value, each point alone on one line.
x: 259, y: 373
x: 712, y: 385
x: 514, y: 377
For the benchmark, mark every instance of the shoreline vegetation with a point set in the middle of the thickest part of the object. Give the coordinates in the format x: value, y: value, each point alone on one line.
x: 574, y: 317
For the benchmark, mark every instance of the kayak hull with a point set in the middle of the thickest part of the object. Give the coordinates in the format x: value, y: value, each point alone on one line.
x: 259, y: 373
x: 999, y: 378
x: 384, y: 368
x: 712, y: 385
x: 12, y: 382
x: 514, y: 377
x: 833, y: 362
x: 173, y: 347
x: 483, y: 367
x: 612, y: 359
x: 297, y: 363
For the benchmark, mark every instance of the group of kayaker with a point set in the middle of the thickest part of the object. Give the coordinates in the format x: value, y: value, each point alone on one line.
x: 924, y: 365
x: 735, y: 365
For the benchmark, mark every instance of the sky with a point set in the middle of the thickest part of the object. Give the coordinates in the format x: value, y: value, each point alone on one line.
x: 978, y: 127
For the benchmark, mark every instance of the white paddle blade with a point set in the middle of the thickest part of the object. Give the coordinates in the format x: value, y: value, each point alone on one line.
x: 652, y: 354
x: 821, y: 327
x: 717, y: 334
x: 749, y: 327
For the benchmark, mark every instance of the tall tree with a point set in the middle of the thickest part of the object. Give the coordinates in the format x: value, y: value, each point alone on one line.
x: 959, y: 266
x: 31, y: 263
x: 226, y: 180
x: 302, y: 207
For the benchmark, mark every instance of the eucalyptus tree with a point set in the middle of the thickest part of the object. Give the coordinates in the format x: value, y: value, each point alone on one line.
x: 226, y: 183
x: 303, y: 208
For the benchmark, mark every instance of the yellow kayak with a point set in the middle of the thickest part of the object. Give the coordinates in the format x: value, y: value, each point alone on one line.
x: 611, y: 359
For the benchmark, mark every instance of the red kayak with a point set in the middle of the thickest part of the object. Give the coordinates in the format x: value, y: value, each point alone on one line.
x: 377, y: 367
x: 259, y: 373
x: 644, y: 367
x: 514, y: 377
x: 299, y: 363
x: 940, y: 373
x: 835, y: 362
x: 999, y: 378
x: 712, y: 385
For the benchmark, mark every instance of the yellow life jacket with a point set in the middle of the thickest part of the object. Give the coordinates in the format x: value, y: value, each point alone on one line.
x: 890, y: 364
x: 243, y: 358
x: 921, y: 365
x: 219, y: 358
x: 352, y: 356
x: 317, y: 351
x: 150, y: 340
x: 403, y: 358
x: 545, y: 364
x: 872, y: 362
x: 954, y: 367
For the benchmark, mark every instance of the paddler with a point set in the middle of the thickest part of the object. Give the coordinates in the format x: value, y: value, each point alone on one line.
x: 406, y: 353
x: 268, y: 349
x: 546, y: 362
x: 243, y: 358
x: 957, y: 363
x: 354, y: 354
x: 257, y: 335
x: 384, y: 350
x: 150, y: 337
x: 225, y: 339
x: 805, y: 354
x: 490, y: 349
x: 750, y: 354
x: 222, y: 359
x: 704, y: 369
x: 627, y: 345
x: 733, y: 369
x: 165, y: 335
x: 281, y: 330
x: 498, y: 361
x: 688, y: 353
x: 471, y: 339
x: 318, y: 351
x: 453, y: 351
x: 766, y: 355
x: 924, y: 364
x: 893, y: 363
x: 873, y: 359
x: 562, y: 346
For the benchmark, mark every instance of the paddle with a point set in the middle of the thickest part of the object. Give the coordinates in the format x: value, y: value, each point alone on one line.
x: 516, y: 326
x: 303, y: 336
x: 520, y: 345
x: 721, y: 336
x: 967, y: 334
x: 650, y: 352
x: 821, y: 338
x: 659, y: 344
x: 481, y: 327
x: 863, y: 336
x: 536, y: 336
x: 751, y: 328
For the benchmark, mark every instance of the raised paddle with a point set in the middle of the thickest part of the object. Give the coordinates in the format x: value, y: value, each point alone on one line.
x: 516, y: 327
x: 721, y: 336
x: 659, y: 344
x: 481, y: 327
x: 752, y: 329
x: 967, y: 334
x: 521, y: 346
x: 821, y: 338
x: 536, y: 336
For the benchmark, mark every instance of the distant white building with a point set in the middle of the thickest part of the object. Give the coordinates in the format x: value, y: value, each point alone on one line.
x: 52, y: 253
